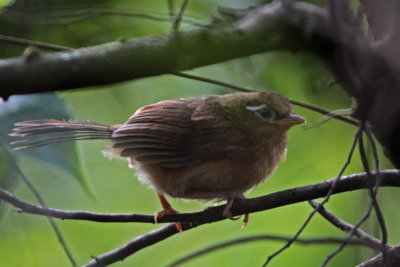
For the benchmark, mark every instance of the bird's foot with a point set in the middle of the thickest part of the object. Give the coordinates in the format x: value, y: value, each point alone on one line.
x: 245, y: 220
x: 167, y: 210
x: 229, y: 196
x: 227, y: 211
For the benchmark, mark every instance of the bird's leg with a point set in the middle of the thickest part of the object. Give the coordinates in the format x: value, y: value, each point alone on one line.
x: 229, y: 196
x: 167, y: 209
x: 227, y: 211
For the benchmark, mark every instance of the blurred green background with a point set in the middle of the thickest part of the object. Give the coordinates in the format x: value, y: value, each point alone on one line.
x: 77, y: 177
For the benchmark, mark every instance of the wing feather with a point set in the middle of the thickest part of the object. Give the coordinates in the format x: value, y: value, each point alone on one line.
x: 177, y: 133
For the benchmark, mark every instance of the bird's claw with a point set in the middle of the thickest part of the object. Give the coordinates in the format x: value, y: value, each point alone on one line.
x: 160, y: 214
x: 228, y: 214
x: 245, y: 220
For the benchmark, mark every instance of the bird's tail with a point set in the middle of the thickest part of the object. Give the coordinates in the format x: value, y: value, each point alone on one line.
x: 38, y: 133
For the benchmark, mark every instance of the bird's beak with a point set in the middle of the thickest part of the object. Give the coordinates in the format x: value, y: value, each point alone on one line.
x: 290, y: 120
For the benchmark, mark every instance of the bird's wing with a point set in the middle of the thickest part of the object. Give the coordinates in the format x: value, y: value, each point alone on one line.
x: 173, y: 134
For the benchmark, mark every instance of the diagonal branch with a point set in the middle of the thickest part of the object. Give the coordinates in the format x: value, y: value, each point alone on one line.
x: 247, y: 89
x: 313, y: 241
x: 37, y: 195
x: 329, y: 193
x: 345, y: 226
x: 392, y: 259
x: 137, y: 244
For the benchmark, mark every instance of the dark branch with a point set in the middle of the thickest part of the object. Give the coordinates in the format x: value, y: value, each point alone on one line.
x: 332, y: 189
x: 345, y: 226
x: 137, y: 244
x: 272, y: 26
x: 313, y: 241
x: 178, y: 19
x: 392, y: 259
x: 212, y: 214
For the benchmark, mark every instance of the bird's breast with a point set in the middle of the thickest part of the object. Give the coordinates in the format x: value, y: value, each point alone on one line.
x: 230, y: 174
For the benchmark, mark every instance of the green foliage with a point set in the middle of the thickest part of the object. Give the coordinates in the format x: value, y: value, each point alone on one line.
x: 5, y: 2
x: 313, y: 155
x: 64, y: 157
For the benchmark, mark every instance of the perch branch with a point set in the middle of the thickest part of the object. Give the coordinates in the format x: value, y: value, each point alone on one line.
x: 212, y: 214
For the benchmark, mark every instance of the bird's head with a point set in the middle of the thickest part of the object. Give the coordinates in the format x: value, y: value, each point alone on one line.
x: 261, y: 111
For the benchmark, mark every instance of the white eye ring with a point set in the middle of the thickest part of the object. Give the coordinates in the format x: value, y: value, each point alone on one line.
x: 262, y: 111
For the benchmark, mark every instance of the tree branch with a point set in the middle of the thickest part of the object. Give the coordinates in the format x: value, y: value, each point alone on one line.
x: 212, y: 214
x: 137, y: 244
x: 313, y: 241
x: 345, y: 226
x: 329, y: 193
x: 272, y: 26
x: 392, y: 259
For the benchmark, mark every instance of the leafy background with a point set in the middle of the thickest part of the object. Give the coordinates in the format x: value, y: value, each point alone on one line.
x: 75, y: 176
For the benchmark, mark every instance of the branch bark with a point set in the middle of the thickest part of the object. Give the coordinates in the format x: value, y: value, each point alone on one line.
x: 272, y: 26
x: 213, y: 214
x: 392, y: 259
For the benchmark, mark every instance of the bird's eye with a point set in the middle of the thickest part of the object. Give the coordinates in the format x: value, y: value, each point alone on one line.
x: 262, y: 111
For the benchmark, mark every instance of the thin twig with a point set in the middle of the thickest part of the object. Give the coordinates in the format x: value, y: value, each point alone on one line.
x: 49, y: 17
x: 373, y: 204
x: 324, y: 111
x: 326, y: 199
x: 246, y: 89
x: 212, y: 81
x: 345, y: 226
x: 374, y: 191
x: 24, y: 42
x: 308, y: 241
x: 32, y: 188
x: 350, y: 234
x: 171, y: 9
x: 178, y: 19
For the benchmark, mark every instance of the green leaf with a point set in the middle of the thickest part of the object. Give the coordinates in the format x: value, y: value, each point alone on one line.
x: 5, y: 2
x: 63, y: 156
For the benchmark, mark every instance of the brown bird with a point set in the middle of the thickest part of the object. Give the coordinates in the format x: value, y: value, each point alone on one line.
x: 209, y: 148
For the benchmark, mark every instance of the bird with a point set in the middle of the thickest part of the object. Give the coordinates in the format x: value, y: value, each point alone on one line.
x: 210, y: 148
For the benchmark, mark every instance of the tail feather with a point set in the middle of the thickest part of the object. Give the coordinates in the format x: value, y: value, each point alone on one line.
x: 38, y: 133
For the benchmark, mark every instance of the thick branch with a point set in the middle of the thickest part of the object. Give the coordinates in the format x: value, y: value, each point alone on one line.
x: 392, y: 259
x: 273, y: 26
x: 212, y: 214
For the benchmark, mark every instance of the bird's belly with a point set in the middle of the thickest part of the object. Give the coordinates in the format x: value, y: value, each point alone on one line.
x: 206, y: 177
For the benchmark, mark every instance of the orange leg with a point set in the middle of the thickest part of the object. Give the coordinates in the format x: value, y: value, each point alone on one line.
x: 167, y: 209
